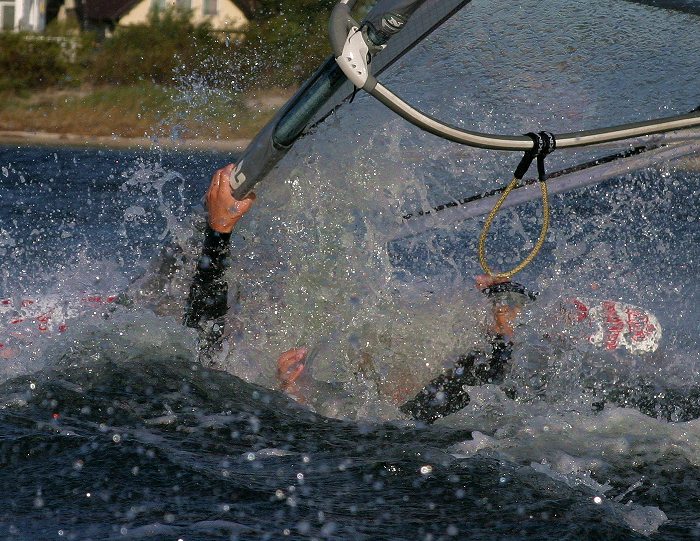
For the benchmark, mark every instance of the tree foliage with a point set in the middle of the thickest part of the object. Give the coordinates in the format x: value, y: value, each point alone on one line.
x: 153, y: 52
x: 289, y: 38
x: 27, y: 62
x: 284, y: 41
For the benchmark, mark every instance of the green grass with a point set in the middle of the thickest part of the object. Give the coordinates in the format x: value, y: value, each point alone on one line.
x: 133, y: 111
x: 168, y: 77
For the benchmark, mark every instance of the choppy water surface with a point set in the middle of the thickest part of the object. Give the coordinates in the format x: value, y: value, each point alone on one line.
x: 110, y: 429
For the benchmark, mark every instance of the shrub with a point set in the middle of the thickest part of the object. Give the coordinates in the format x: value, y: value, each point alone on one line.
x: 153, y: 52
x: 286, y: 41
x: 28, y: 61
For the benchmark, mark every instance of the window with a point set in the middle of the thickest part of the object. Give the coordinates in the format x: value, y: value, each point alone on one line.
x: 158, y: 5
x: 7, y: 16
x: 184, y: 5
x: 210, y: 7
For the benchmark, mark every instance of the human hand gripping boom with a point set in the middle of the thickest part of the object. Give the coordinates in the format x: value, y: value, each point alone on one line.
x: 223, y: 209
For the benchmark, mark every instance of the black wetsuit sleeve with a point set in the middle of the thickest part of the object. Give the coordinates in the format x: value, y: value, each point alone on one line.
x: 673, y: 405
x: 447, y: 393
x: 207, y: 302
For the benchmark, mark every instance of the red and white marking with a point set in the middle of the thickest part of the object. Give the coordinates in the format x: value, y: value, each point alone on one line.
x: 617, y: 325
x: 24, y: 318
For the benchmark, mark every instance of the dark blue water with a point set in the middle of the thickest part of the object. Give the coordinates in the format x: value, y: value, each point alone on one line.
x: 121, y: 434
x: 60, y: 203
x: 113, y: 430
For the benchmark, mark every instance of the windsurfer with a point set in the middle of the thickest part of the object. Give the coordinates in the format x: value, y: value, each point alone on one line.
x: 445, y: 394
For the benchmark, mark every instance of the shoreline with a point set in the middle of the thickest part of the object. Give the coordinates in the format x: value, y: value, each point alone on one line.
x: 238, y: 145
x: 39, y: 138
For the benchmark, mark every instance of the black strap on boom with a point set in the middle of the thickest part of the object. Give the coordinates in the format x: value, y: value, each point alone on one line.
x: 544, y: 143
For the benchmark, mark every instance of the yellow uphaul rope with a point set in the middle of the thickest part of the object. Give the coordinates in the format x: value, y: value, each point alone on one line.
x: 492, y: 215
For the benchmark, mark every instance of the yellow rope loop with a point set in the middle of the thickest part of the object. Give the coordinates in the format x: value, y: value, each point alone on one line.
x: 487, y: 226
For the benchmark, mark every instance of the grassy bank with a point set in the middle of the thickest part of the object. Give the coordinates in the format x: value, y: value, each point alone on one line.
x: 143, y: 110
x: 167, y: 77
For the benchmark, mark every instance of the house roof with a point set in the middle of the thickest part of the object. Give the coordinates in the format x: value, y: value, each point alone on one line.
x: 110, y: 10
x: 248, y: 7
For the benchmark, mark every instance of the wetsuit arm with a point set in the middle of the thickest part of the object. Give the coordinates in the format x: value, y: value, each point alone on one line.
x: 207, y: 302
x: 673, y: 405
x: 447, y: 393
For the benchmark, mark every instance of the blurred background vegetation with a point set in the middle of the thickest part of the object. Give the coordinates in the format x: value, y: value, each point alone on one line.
x: 283, y: 42
x: 168, y: 71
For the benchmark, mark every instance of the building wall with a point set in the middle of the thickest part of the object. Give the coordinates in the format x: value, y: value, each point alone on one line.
x: 221, y: 14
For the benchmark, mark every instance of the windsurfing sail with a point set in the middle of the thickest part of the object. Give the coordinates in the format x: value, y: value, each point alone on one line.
x: 351, y: 45
x: 643, y: 154
x: 390, y: 29
x: 393, y: 27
